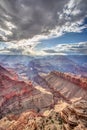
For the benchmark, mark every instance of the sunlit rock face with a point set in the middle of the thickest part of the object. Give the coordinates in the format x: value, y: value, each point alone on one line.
x: 70, y: 87
x: 76, y: 79
x: 17, y: 96
x: 72, y: 117
x: 32, y: 121
x: 75, y: 116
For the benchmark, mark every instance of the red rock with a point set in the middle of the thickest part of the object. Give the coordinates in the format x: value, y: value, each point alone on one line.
x: 17, y: 96
x: 82, y: 82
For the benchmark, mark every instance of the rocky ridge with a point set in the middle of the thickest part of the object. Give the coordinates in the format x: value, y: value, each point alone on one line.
x: 76, y: 79
x: 68, y: 86
x: 75, y: 116
x: 72, y: 117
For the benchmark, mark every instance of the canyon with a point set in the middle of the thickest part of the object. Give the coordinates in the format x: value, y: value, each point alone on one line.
x: 17, y: 96
x: 44, y: 103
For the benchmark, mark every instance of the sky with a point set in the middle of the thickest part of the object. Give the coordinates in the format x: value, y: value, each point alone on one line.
x: 43, y: 27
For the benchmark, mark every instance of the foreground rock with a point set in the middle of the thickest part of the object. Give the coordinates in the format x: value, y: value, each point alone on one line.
x: 72, y: 117
x: 32, y: 121
x: 75, y: 116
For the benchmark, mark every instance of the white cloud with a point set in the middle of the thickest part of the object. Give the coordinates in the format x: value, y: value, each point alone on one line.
x: 25, y: 23
x: 60, y: 49
x: 10, y: 25
x: 4, y: 33
x: 75, y: 48
x: 68, y: 49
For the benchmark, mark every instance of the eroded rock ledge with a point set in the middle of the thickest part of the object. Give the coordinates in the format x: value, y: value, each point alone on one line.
x: 75, y: 116
x: 72, y: 117
x: 78, y: 80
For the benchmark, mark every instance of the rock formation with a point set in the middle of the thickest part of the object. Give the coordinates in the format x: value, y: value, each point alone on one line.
x: 76, y: 79
x: 75, y: 116
x: 17, y: 96
x: 32, y: 121
x: 68, y: 86
x: 22, y: 103
x: 72, y: 117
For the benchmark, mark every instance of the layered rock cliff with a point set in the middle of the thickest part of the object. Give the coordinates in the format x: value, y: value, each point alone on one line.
x: 75, y: 116
x: 68, y: 86
x: 17, y: 96
x: 76, y: 79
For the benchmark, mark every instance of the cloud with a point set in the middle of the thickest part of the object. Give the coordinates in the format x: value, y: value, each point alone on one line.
x: 28, y: 18
x: 71, y: 49
x: 18, y: 49
x: 60, y: 49
x: 35, y: 19
x: 50, y: 51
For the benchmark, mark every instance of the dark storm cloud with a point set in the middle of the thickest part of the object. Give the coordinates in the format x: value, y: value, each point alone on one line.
x: 50, y: 51
x: 23, y: 19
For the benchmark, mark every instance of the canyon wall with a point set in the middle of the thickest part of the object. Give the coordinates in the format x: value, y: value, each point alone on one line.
x: 76, y: 79
x: 70, y: 87
x: 17, y: 96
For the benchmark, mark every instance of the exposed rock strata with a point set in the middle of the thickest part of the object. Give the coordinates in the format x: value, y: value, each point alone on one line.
x: 78, y: 80
x: 17, y: 96
x: 64, y: 85
x: 75, y: 116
